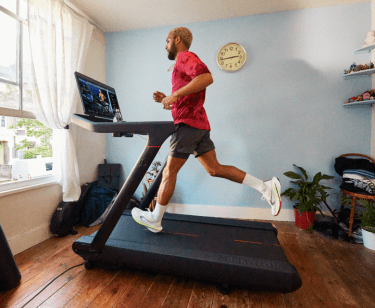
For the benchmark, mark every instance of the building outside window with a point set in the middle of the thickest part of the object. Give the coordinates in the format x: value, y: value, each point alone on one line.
x: 25, y: 144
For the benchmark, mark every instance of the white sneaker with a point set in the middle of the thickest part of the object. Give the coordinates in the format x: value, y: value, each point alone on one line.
x: 145, y: 218
x: 272, y: 195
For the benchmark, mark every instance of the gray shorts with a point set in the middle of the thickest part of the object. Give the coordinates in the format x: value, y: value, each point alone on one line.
x: 189, y: 140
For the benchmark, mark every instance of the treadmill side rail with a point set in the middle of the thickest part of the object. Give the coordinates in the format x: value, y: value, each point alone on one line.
x: 157, y: 132
x: 123, y: 198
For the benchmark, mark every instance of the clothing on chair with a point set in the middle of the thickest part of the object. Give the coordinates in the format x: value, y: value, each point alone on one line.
x: 343, y: 163
x: 358, y: 175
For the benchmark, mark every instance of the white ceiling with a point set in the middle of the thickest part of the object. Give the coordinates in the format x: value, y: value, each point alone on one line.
x: 122, y: 15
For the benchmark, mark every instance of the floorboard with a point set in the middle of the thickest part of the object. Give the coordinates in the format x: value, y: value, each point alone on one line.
x: 335, y: 274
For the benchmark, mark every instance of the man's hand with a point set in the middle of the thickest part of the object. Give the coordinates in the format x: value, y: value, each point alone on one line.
x: 158, y: 96
x: 168, y: 101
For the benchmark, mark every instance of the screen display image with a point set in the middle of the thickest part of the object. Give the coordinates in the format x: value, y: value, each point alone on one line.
x: 97, y: 100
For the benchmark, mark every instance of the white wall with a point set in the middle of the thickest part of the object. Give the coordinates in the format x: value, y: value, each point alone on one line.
x: 25, y: 216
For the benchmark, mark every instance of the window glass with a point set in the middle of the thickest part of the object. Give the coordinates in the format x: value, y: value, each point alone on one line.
x: 9, y: 96
x: 27, y: 95
x: 10, y: 5
x: 25, y: 150
x: 8, y: 50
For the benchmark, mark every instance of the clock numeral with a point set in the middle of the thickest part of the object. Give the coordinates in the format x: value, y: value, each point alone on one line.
x: 235, y: 64
x: 223, y: 53
x: 240, y: 57
x: 230, y: 48
x: 222, y: 62
x: 231, y: 66
x: 221, y: 58
x: 239, y: 52
x: 239, y: 62
x: 226, y: 49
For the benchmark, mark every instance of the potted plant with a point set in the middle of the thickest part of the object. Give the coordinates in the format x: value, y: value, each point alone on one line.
x: 368, y: 224
x: 309, y: 195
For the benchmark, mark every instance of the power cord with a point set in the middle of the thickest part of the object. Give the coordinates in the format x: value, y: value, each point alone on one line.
x: 52, y: 281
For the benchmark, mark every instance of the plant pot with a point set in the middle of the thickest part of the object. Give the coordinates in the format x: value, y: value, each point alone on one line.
x: 368, y: 239
x: 303, y: 221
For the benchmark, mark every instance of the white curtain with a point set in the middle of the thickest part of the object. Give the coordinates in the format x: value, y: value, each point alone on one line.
x: 59, y: 40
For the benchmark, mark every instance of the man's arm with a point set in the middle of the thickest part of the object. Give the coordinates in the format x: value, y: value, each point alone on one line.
x: 199, y: 83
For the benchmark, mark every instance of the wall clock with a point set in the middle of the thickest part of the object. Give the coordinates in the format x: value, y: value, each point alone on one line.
x: 231, y: 57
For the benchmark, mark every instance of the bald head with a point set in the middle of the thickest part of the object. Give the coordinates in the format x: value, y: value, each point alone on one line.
x: 185, y: 35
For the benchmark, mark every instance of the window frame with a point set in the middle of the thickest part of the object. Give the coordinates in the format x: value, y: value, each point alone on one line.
x: 19, y: 186
x: 20, y: 113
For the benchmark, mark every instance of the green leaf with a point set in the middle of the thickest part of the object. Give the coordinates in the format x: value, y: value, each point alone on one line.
x: 327, y: 177
x: 302, y: 170
x: 325, y: 187
x: 296, y: 182
x: 317, y: 177
x: 293, y: 175
x: 295, y: 197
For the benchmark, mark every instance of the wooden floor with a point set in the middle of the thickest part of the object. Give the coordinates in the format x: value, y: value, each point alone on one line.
x: 334, y: 274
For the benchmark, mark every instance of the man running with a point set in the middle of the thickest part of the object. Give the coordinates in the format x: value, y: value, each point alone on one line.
x: 190, y: 79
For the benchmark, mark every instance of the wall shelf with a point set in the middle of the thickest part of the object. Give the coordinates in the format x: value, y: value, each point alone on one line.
x: 360, y: 73
x: 367, y: 48
x: 361, y: 103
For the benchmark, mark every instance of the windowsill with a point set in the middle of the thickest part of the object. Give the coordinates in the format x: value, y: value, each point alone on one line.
x: 21, y: 186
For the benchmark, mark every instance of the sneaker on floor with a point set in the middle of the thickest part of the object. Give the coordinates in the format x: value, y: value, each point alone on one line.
x: 272, y: 195
x: 145, y: 218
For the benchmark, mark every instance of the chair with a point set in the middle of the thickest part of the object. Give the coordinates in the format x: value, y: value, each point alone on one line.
x: 355, y: 196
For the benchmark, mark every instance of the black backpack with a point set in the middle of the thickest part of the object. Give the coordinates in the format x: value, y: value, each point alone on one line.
x: 68, y: 214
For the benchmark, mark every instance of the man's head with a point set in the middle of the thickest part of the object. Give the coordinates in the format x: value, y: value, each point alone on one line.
x: 179, y: 39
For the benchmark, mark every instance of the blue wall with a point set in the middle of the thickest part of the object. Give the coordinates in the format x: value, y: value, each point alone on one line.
x: 284, y: 107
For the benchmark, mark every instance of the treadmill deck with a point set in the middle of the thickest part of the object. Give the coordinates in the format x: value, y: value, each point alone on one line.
x: 200, y: 247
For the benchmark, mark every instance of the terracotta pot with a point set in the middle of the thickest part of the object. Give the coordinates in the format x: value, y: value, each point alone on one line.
x: 303, y: 221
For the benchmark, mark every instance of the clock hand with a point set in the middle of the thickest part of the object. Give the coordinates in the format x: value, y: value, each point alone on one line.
x: 231, y: 57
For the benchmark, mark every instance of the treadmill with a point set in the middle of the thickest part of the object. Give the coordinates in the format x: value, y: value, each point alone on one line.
x: 232, y: 253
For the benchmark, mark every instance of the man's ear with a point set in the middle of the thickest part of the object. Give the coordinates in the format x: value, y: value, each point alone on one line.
x: 177, y: 40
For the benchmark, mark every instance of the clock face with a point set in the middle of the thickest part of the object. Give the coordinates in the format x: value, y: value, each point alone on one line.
x: 231, y: 57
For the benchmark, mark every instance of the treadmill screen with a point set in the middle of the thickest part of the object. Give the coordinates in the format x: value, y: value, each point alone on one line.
x: 97, y: 99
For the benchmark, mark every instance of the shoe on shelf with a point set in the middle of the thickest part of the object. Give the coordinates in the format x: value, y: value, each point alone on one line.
x: 145, y: 218
x: 272, y: 195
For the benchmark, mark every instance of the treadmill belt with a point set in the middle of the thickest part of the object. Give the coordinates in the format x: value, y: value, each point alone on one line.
x: 212, y: 238
x: 243, y: 253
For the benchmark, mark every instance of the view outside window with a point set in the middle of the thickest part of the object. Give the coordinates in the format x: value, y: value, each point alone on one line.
x: 25, y: 150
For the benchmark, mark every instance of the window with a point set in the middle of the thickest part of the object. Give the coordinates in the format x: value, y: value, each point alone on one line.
x: 25, y: 144
x: 15, y: 68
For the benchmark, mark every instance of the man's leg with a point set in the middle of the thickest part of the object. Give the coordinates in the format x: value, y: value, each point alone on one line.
x: 214, y: 168
x: 269, y: 189
x: 168, y: 182
x: 152, y: 220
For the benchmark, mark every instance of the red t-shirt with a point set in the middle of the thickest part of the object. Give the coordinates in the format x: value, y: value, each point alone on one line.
x: 189, y: 109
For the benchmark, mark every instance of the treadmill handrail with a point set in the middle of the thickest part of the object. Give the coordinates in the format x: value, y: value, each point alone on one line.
x: 142, y: 128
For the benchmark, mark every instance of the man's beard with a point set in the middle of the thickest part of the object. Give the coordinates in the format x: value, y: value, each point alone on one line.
x: 172, y: 52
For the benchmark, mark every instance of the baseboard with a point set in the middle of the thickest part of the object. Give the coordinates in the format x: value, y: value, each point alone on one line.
x: 29, y: 239
x: 235, y: 212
